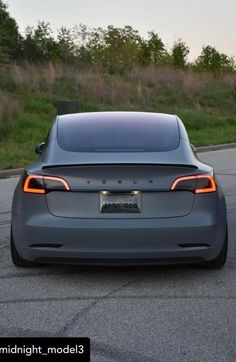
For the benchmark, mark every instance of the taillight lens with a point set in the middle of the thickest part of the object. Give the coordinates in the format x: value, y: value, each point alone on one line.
x: 198, y: 184
x: 37, y: 184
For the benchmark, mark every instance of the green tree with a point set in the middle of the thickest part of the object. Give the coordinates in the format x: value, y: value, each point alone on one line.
x: 39, y: 44
x: 156, y: 47
x: 214, y: 61
x: 66, y: 48
x: 144, y: 53
x: 179, y: 54
x: 95, y: 45
x: 88, y: 44
x: 120, y: 48
x: 10, y: 39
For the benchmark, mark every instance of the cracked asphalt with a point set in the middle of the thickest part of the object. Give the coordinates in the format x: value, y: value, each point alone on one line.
x: 138, y: 314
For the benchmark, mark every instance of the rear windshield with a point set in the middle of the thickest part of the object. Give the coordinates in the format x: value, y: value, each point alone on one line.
x: 118, y: 135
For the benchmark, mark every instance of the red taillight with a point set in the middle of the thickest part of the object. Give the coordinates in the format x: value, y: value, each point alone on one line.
x: 198, y: 184
x: 37, y: 184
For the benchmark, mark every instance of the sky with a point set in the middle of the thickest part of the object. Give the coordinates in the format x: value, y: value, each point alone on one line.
x: 197, y: 22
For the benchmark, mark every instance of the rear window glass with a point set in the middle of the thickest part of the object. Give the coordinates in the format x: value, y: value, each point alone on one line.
x: 118, y: 134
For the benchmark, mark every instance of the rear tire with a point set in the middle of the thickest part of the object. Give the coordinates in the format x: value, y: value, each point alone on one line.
x: 17, y: 259
x: 220, y: 260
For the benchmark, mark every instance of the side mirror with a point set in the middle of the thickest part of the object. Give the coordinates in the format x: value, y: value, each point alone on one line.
x: 40, y: 148
x: 193, y: 148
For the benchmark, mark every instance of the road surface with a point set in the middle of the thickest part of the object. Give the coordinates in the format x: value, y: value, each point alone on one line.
x: 131, y: 314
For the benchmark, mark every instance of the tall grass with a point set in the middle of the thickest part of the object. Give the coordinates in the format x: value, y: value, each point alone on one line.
x: 29, y: 94
x: 10, y: 109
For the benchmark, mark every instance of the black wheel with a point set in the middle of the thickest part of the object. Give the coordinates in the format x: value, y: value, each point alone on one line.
x: 17, y: 259
x: 220, y: 260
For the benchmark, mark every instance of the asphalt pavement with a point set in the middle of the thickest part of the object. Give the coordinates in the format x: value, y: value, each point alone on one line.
x: 138, y: 314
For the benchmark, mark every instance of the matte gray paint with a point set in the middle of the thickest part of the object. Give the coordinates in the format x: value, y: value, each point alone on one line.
x: 87, y: 205
x: 73, y: 219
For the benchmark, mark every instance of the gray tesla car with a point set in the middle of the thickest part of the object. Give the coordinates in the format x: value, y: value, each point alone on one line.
x: 118, y: 188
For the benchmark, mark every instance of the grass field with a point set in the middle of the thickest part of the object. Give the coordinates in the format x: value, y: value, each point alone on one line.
x: 29, y: 94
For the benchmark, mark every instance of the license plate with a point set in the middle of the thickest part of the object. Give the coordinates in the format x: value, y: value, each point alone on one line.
x: 120, y: 202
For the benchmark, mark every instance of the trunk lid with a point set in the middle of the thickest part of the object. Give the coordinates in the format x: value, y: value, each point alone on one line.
x: 88, y: 181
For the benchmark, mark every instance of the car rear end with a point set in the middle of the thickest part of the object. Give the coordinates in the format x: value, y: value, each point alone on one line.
x: 120, y: 212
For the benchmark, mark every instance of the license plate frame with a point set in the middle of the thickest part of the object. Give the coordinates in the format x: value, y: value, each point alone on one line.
x: 120, y: 202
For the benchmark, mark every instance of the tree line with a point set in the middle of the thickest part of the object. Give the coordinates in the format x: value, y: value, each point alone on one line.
x: 114, y: 49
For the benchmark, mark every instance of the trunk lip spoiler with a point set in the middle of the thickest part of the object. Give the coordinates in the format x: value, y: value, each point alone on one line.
x: 119, y: 164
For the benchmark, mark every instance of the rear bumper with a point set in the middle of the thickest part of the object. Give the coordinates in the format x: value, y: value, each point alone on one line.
x: 45, y: 238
